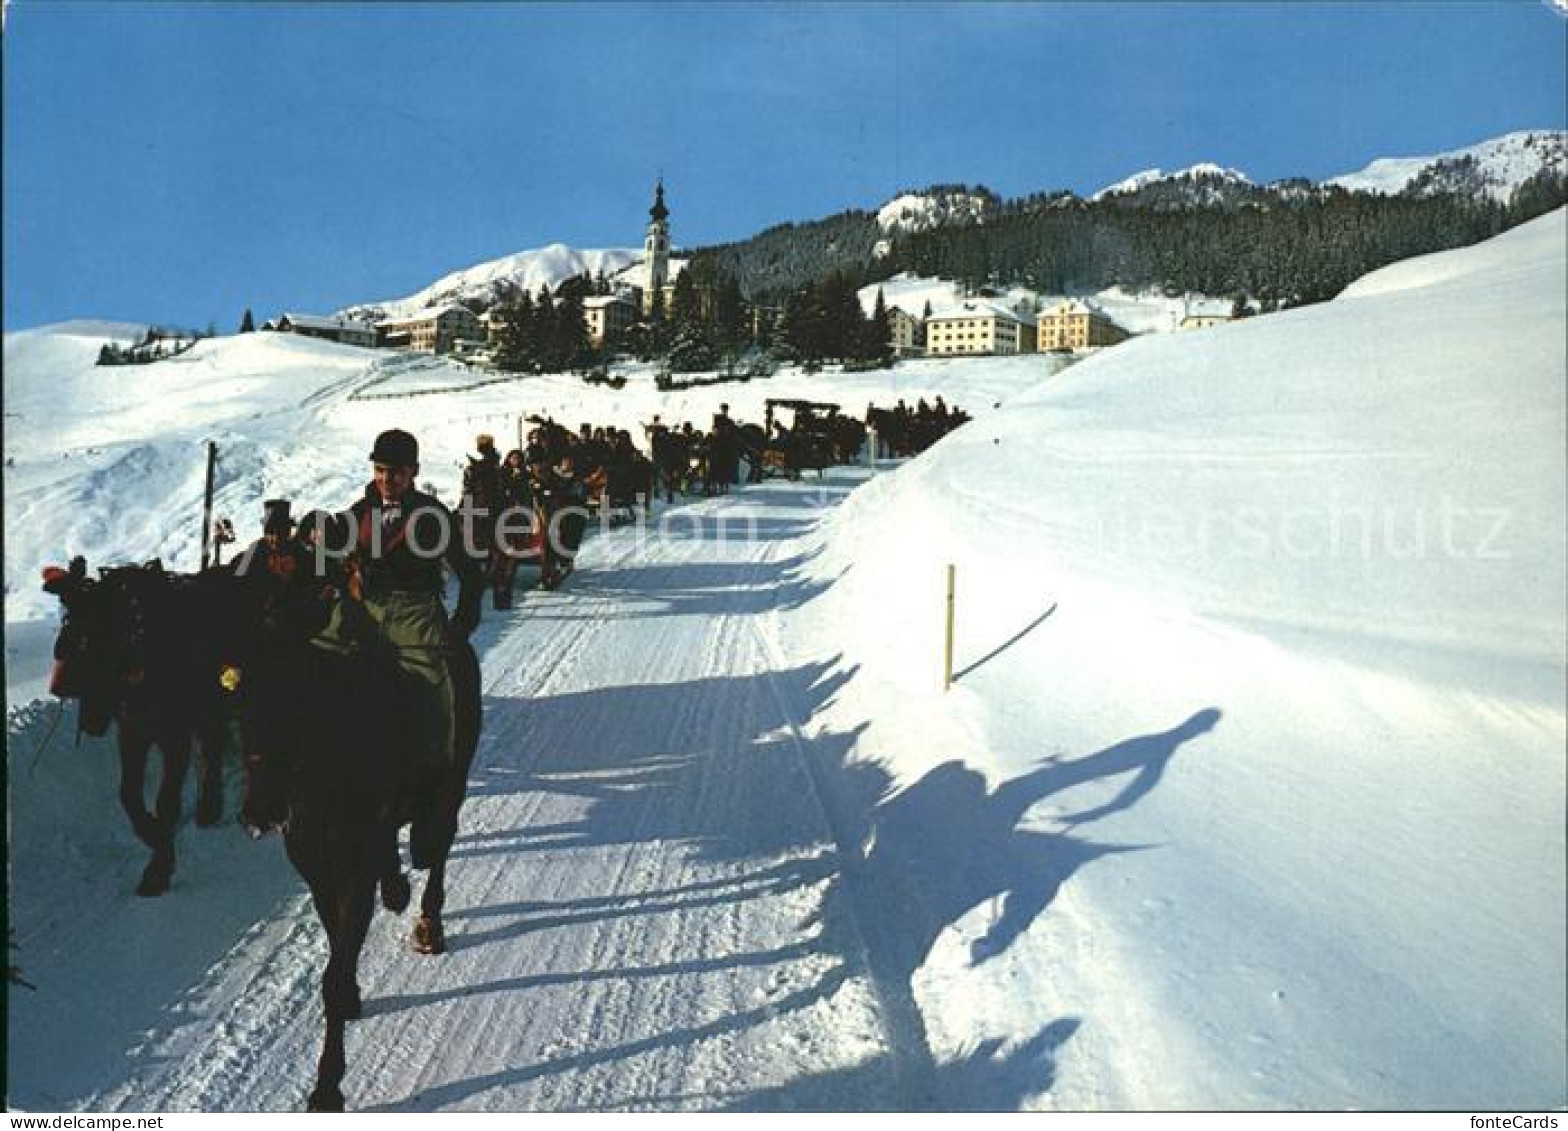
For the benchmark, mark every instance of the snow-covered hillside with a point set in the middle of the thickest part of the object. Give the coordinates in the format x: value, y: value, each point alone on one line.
x: 1493, y: 168
x: 293, y: 417
x: 1254, y: 768
x: 528, y: 270
x: 1249, y: 794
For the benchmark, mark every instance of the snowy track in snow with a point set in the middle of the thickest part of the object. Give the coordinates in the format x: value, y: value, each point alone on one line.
x: 645, y: 905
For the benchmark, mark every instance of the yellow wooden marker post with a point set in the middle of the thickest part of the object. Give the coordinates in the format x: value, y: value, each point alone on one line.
x: 947, y: 651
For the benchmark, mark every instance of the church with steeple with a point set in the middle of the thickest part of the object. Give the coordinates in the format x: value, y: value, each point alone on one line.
x: 656, y: 253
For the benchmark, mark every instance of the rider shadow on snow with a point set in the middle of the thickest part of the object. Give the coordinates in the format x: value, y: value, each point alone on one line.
x: 902, y: 867
x: 931, y: 853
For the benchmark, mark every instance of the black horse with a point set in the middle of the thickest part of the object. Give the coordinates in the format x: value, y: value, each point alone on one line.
x: 327, y: 760
x: 133, y: 648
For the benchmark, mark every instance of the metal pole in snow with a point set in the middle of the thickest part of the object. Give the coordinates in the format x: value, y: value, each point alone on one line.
x: 206, y: 510
x: 947, y: 651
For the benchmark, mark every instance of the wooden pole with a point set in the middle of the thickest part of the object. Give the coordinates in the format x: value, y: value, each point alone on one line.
x: 947, y: 651
x: 206, y: 510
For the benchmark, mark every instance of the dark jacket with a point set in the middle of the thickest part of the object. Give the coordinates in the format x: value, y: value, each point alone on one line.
x: 514, y: 487
x: 482, y: 479
x: 406, y: 559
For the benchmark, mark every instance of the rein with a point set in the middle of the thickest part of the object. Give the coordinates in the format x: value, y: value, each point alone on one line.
x: 59, y: 709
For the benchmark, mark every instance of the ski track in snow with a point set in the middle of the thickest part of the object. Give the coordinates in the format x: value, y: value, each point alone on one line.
x: 645, y: 906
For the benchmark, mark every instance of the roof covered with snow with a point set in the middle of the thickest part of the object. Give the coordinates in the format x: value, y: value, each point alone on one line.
x: 975, y: 308
x: 427, y: 314
x: 327, y: 322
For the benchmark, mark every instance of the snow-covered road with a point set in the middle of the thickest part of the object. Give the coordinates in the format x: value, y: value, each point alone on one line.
x: 646, y: 905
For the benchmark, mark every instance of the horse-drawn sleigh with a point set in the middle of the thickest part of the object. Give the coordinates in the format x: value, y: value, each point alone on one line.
x: 815, y: 440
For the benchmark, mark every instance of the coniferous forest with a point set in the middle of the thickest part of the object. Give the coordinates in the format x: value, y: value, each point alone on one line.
x: 1284, y: 244
x: 791, y: 292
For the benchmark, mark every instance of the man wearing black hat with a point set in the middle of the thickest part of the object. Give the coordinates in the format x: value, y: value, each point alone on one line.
x: 403, y: 537
x: 277, y: 552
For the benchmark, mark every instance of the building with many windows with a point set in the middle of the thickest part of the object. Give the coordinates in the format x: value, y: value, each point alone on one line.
x: 906, y: 333
x: 436, y: 329
x: 977, y: 326
x: 1077, y: 325
x: 608, y: 315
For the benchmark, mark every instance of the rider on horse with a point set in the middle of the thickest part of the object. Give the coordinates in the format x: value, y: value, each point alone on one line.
x: 403, y: 535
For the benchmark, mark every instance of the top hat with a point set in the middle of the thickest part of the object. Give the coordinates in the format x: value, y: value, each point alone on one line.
x: 276, y: 518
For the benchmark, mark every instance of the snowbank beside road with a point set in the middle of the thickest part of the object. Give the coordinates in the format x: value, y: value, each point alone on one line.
x: 1253, y: 775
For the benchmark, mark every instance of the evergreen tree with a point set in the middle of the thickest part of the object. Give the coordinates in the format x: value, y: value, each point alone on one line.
x: 545, y: 349
x: 729, y: 314
x: 685, y: 303
x: 571, y: 331
x: 879, y: 333
x: 514, y: 352
x: 247, y: 324
x: 692, y: 349
x: 800, y: 328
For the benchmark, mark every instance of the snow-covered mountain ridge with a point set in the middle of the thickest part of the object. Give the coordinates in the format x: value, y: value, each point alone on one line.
x: 1204, y: 175
x: 1492, y: 168
x: 936, y: 207
x: 486, y: 282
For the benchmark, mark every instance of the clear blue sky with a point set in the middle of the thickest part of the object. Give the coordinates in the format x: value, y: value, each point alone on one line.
x: 180, y: 162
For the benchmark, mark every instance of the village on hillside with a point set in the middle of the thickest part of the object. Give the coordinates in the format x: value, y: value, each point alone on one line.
x: 617, y: 312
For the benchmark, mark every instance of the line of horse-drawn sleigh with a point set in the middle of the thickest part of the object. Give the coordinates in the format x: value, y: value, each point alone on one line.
x: 179, y: 661
x: 185, y: 662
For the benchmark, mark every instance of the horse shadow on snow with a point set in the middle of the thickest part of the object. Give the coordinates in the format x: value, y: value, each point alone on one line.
x: 896, y: 868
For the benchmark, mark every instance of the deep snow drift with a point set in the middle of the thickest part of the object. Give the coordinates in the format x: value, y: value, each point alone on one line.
x: 1255, y: 765
x: 1250, y: 790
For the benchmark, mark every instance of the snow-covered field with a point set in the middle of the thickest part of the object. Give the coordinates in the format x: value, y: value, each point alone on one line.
x: 1250, y: 791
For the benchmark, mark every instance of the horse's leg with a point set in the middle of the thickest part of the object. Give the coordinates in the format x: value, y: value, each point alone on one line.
x: 133, y: 783
x: 429, y: 932
x: 352, y: 907
x: 212, y: 745
x: 395, y: 889
x: 327, y: 1095
x: 176, y: 749
x: 434, y: 830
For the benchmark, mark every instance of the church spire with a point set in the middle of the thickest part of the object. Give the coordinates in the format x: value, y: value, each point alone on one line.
x: 656, y: 250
